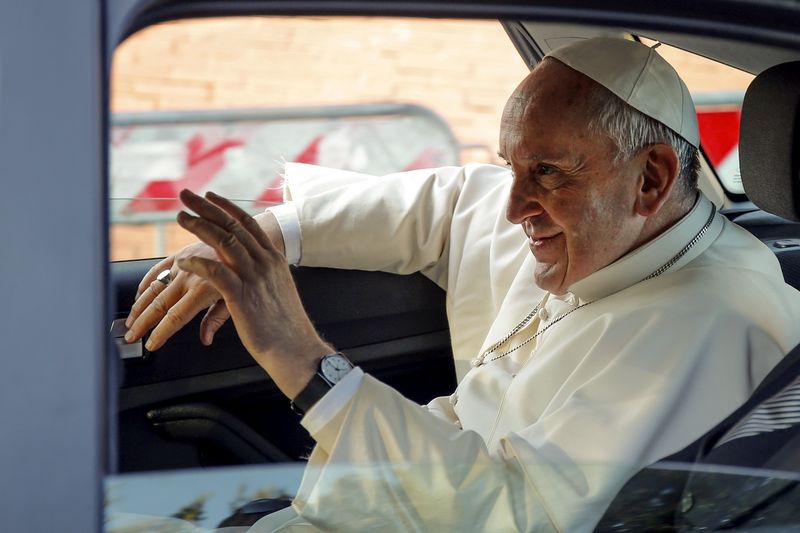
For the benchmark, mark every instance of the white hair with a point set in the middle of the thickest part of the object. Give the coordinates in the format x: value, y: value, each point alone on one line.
x: 632, y: 130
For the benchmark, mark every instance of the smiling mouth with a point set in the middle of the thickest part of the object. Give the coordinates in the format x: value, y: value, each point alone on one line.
x: 533, y: 239
x: 541, y: 240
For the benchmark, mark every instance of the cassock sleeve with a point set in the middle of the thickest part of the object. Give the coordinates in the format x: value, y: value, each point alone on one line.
x: 398, y: 223
x: 446, y: 223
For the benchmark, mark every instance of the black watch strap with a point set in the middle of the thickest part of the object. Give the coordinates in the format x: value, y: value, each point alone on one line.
x: 316, y: 389
x: 330, y: 370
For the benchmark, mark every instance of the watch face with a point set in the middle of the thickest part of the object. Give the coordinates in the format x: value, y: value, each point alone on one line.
x: 335, y: 367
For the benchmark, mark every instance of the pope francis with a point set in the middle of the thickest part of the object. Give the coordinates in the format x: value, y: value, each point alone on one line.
x: 603, y: 314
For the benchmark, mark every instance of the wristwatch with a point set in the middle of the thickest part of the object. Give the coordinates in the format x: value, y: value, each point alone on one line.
x: 332, y: 368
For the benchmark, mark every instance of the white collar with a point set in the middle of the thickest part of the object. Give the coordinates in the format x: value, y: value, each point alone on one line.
x: 643, y: 261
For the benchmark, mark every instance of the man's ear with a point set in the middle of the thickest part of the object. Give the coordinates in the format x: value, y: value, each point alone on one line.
x: 659, y: 175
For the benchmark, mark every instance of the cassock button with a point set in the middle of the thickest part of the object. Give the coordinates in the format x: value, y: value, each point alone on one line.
x: 687, y: 502
x: 543, y: 314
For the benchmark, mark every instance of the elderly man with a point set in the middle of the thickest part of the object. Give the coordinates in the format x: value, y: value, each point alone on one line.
x: 629, y: 319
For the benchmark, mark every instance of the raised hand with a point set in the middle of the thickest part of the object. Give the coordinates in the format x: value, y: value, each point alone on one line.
x: 170, y: 307
x: 253, y: 278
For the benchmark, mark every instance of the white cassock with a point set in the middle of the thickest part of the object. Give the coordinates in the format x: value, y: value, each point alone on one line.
x: 540, y: 439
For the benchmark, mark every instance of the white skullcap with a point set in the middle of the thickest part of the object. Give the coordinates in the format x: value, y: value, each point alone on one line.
x: 637, y: 74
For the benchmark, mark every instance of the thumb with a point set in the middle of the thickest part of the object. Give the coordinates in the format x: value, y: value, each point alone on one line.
x: 216, y: 315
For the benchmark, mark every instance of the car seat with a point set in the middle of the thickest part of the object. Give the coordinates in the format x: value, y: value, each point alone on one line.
x: 769, y: 135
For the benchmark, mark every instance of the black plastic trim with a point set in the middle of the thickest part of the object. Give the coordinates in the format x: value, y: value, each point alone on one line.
x: 411, y: 353
x: 349, y: 308
x: 527, y: 48
x: 767, y: 22
x: 203, y: 422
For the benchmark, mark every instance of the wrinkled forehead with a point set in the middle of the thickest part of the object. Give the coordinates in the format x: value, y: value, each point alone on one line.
x: 552, y: 96
x: 551, y: 84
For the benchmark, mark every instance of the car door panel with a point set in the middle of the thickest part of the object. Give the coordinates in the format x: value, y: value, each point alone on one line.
x: 188, y: 405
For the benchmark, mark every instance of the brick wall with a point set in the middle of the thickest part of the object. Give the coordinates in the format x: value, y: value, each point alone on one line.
x: 463, y: 70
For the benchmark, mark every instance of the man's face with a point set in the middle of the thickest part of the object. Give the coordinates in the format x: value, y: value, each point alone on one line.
x: 573, y: 202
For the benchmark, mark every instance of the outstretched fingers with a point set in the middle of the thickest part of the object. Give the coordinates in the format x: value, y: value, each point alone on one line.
x: 235, y: 245
x: 149, y: 308
x: 171, y: 317
x: 222, y: 278
x: 226, y: 244
x: 241, y: 216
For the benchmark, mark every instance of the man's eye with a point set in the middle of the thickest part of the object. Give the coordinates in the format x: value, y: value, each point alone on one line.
x: 545, y: 170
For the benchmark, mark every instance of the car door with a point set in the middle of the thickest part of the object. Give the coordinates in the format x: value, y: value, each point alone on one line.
x: 53, y: 355
x: 187, y: 405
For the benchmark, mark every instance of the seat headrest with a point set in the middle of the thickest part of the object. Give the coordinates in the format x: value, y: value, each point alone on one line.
x: 769, y: 140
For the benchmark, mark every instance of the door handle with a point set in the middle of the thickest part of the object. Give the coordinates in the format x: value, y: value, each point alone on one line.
x: 126, y: 350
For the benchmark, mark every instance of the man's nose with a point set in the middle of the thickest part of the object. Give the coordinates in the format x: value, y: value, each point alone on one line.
x: 522, y: 203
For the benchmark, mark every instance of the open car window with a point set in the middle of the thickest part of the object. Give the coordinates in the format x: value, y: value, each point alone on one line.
x: 189, y: 112
x: 220, y: 104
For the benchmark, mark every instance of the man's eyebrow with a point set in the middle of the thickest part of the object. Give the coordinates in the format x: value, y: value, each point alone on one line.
x: 565, y: 160
x: 530, y: 157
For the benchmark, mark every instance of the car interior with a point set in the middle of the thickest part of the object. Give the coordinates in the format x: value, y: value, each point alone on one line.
x: 768, y: 141
x: 190, y: 406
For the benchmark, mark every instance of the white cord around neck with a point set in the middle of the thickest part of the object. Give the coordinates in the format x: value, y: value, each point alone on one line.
x: 481, y: 359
